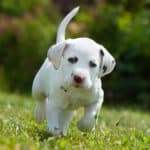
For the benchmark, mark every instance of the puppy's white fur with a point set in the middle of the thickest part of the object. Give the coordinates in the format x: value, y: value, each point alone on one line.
x: 57, y: 92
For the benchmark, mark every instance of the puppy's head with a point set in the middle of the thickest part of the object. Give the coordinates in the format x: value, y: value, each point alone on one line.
x: 81, y: 61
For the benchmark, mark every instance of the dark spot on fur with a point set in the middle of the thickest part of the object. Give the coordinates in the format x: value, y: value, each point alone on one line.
x: 102, y: 52
x: 104, y: 68
x: 66, y: 46
x: 56, y: 128
x: 63, y: 89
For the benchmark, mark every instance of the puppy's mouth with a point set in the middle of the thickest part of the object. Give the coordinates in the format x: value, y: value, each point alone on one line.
x: 64, y: 89
x: 74, y: 85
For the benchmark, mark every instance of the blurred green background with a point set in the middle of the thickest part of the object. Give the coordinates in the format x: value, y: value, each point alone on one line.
x: 28, y: 28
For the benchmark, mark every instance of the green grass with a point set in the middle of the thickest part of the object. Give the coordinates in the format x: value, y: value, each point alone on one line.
x: 117, y: 129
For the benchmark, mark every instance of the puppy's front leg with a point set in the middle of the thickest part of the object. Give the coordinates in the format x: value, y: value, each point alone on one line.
x: 89, y: 119
x: 52, y: 116
x: 65, y: 118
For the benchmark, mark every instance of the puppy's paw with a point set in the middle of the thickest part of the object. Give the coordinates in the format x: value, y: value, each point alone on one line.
x: 86, y: 125
x: 56, y: 132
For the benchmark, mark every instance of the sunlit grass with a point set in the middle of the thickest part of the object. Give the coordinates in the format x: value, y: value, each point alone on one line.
x: 118, y: 128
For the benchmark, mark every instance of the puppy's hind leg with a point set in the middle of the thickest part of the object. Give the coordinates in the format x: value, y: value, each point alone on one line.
x: 40, y: 109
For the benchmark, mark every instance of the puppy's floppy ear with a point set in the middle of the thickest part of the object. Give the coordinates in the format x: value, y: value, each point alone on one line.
x: 56, y: 52
x: 107, y: 62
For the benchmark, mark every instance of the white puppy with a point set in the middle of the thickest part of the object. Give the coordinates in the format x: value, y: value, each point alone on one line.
x: 69, y: 79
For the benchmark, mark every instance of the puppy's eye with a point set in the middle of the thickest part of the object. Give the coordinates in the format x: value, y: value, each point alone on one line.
x: 92, y: 64
x: 73, y: 60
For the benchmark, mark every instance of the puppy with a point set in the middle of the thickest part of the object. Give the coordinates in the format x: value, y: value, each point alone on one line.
x: 71, y: 78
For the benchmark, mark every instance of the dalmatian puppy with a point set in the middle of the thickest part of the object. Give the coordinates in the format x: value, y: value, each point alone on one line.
x: 71, y: 78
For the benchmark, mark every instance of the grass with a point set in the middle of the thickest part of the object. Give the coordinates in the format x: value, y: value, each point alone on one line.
x: 118, y: 129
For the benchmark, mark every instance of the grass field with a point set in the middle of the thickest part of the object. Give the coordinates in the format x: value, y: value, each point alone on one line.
x: 118, y: 129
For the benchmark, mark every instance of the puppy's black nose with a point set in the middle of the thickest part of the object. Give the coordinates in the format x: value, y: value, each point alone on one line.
x: 78, y: 79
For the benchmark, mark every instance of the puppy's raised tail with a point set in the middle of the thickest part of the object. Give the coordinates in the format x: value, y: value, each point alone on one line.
x: 64, y: 23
